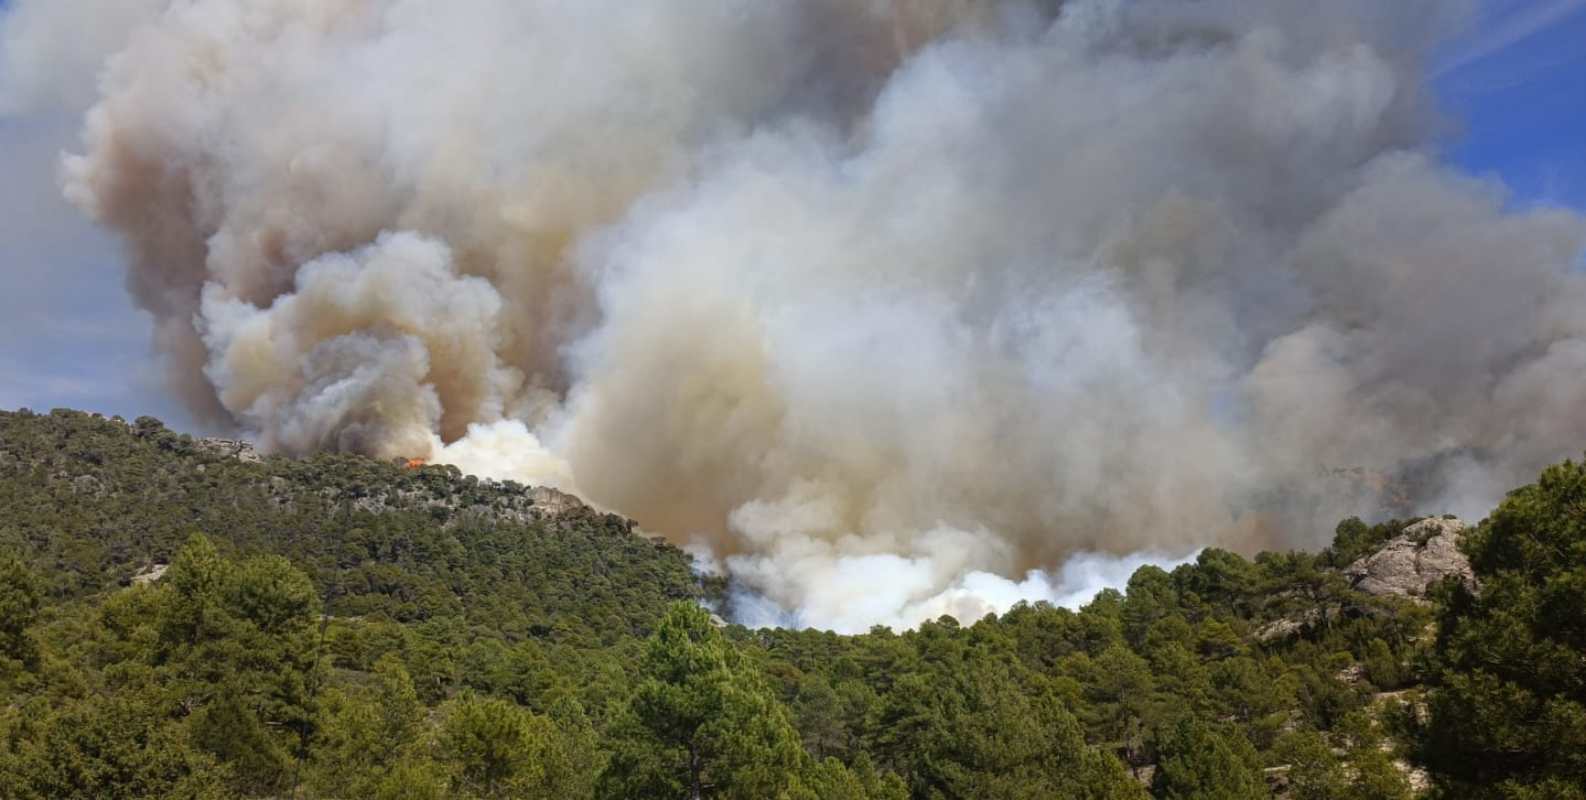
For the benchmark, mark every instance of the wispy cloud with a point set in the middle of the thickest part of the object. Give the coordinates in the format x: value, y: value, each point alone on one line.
x: 1510, y: 29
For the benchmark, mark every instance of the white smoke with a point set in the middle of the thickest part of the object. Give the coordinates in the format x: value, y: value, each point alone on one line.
x: 897, y: 308
x: 505, y: 449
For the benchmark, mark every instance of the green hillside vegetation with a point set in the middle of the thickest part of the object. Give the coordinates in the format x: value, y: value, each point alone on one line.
x: 178, y: 622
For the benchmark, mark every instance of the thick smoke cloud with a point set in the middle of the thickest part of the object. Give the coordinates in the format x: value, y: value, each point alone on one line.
x: 893, y: 308
x: 364, y: 353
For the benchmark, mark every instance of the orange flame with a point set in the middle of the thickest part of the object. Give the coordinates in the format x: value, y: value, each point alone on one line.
x: 415, y: 463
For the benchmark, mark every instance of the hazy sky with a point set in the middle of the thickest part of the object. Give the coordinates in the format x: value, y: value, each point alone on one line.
x: 1515, y: 91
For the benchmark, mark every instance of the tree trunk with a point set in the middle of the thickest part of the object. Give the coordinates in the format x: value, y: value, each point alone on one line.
x: 696, y: 789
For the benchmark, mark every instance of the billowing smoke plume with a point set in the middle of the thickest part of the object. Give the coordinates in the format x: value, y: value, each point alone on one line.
x: 892, y: 307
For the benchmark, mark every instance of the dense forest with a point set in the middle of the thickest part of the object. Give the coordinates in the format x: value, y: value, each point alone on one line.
x: 183, y: 618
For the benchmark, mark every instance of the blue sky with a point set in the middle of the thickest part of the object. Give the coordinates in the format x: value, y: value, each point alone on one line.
x: 1514, y: 89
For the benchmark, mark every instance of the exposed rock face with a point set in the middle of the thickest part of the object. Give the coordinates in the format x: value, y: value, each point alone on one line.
x: 551, y: 501
x: 508, y: 501
x: 1288, y: 626
x: 1420, y: 556
x: 150, y: 575
x: 237, y: 448
x: 439, y: 492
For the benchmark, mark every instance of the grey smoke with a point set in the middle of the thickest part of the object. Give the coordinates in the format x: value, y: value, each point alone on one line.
x: 893, y: 307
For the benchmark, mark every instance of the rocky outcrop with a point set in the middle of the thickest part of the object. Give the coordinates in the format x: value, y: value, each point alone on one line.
x: 1288, y: 626
x: 1421, y: 555
x: 551, y: 501
x: 150, y: 575
x: 236, y: 448
x: 503, y: 500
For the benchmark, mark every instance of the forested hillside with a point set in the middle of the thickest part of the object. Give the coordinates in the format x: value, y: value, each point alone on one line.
x: 181, y: 618
x: 94, y: 501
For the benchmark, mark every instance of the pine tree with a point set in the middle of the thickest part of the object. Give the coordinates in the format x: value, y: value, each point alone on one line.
x: 702, y: 724
x: 362, y: 735
x: 1198, y: 763
x: 20, y: 599
x: 1509, y: 716
x: 236, y: 646
x: 497, y: 748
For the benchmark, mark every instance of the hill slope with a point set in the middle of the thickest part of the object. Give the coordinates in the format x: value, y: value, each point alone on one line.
x: 349, y: 628
x: 96, y: 500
